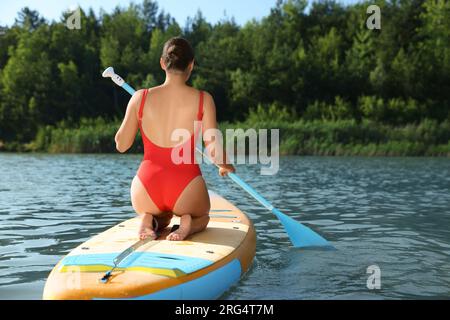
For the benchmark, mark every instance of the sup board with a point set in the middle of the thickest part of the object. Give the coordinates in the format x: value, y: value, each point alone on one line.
x: 203, y: 266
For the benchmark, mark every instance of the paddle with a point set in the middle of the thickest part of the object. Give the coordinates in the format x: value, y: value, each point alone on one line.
x: 300, y: 235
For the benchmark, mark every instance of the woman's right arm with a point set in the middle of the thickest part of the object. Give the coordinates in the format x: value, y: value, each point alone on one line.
x: 214, y: 146
x: 126, y: 134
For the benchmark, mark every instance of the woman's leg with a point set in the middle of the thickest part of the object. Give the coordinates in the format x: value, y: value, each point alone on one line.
x: 145, y: 207
x: 193, y: 207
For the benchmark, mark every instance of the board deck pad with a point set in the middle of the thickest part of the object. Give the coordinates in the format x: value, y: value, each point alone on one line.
x: 157, y: 264
x: 140, y: 261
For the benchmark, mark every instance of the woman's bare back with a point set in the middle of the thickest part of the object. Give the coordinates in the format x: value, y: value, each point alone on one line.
x: 168, y: 109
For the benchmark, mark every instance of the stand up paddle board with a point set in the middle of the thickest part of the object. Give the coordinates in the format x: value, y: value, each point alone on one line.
x: 203, y: 266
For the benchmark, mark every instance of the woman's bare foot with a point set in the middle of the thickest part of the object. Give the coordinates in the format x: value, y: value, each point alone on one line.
x: 183, y: 231
x: 146, y: 227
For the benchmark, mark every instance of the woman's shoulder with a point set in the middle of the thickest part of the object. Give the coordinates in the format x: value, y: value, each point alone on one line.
x: 136, y: 98
x: 207, y: 94
x: 160, y: 90
x: 154, y: 89
x: 139, y: 94
x: 195, y: 92
x: 208, y: 102
x: 207, y: 97
x: 150, y: 92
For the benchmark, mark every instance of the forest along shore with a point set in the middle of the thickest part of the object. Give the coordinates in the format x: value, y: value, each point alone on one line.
x: 328, y: 138
x: 317, y: 73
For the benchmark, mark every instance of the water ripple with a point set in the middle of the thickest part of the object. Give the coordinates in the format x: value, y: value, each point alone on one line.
x: 389, y: 212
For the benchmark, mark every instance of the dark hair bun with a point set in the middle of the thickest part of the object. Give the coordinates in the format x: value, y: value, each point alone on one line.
x: 177, y: 54
x: 172, y: 54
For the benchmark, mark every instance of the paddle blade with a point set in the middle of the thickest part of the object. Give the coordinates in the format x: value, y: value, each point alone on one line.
x: 300, y: 235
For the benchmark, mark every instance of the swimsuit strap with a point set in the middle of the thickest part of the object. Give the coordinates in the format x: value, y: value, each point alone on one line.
x: 200, y: 107
x: 141, y: 108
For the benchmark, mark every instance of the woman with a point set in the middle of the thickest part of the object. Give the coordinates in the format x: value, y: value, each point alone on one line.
x: 162, y: 186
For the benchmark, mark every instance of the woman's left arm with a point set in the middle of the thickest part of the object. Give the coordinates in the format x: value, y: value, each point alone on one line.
x: 128, y: 130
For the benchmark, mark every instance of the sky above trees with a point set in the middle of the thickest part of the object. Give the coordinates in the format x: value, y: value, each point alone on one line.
x: 241, y: 10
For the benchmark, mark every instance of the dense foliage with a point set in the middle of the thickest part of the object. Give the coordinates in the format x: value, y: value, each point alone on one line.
x: 320, y: 65
x: 317, y: 137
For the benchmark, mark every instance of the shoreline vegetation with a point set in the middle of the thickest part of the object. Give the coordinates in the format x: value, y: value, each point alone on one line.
x: 300, y: 137
x: 312, y: 69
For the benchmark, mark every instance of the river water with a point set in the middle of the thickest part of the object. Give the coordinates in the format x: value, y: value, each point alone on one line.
x: 388, y: 213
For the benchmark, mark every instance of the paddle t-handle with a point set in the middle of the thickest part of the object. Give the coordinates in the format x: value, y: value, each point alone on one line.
x: 109, y: 73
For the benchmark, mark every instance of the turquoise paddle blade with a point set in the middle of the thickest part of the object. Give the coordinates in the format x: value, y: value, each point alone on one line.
x: 300, y: 235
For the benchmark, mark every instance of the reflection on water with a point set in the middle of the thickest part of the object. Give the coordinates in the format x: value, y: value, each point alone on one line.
x: 390, y: 212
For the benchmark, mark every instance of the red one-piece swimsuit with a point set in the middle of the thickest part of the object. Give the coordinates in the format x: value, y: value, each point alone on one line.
x: 163, y: 179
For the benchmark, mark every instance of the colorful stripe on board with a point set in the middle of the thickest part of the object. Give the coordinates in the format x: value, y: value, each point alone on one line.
x: 158, y: 263
x: 210, y: 286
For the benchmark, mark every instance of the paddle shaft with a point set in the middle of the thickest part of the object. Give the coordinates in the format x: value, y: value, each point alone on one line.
x: 243, y: 185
